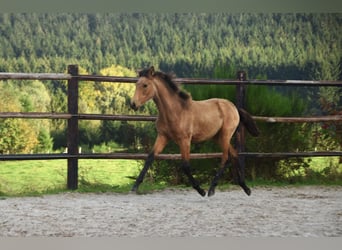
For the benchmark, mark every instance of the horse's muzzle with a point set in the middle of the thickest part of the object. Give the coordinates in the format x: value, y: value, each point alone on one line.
x: 134, y: 106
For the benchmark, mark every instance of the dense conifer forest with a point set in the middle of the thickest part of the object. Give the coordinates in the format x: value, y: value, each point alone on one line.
x: 287, y: 46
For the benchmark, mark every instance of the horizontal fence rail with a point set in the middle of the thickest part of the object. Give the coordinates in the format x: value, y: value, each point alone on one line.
x: 200, y: 81
x: 43, y: 115
x: 73, y: 116
x: 204, y: 81
x: 142, y: 156
x: 34, y: 76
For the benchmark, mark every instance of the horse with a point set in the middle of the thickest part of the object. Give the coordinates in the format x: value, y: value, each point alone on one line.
x: 186, y: 121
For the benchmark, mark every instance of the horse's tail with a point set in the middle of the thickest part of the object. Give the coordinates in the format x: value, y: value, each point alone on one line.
x: 248, y: 122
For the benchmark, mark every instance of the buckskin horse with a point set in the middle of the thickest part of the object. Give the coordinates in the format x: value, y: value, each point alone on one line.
x: 184, y: 121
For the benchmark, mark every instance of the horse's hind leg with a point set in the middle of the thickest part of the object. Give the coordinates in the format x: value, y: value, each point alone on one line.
x: 223, y: 139
x: 241, y: 181
x: 240, y: 176
x: 224, y: 164
x: 218, y: 175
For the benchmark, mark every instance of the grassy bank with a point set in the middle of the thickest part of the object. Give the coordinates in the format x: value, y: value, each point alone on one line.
x: 21, y: 178
x: 42, y: 176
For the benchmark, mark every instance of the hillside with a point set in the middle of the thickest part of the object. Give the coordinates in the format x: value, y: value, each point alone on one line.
x: 286, y: 46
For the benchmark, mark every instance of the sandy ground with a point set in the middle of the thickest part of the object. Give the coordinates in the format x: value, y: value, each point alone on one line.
x: 283, y: 212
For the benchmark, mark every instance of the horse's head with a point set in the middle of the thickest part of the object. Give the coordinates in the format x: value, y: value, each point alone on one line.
x: 144, y: 88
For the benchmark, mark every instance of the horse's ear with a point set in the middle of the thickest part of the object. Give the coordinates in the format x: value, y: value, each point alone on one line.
x: 151, y: 71
x: 138, y: 72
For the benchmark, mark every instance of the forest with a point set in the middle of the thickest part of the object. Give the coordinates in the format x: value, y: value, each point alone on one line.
x: 286, y: 46
x: 210, y: 45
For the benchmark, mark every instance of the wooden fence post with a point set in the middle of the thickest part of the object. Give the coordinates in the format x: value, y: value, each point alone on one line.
x: 72, y: 134
x: 240, y: 135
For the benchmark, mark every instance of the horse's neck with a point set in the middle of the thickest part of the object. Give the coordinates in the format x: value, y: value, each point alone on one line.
x: 168, y: 103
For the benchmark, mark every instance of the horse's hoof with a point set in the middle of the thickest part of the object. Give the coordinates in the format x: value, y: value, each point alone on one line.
x: 211, y: 192
x: 201, y: 192
x: 248, y: 191
x: 134, y: 189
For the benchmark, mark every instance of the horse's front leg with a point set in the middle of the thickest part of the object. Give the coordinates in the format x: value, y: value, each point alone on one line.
x: 141, y: 176
x: 193, y: 181
x: 185, y: 152
x: 159, y: 145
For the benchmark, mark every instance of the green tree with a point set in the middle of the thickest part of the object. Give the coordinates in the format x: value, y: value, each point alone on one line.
x: 17, y: 135
x: 45, y: 142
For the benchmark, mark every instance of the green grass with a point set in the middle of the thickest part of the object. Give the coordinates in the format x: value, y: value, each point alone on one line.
x: 42, y: 176
x: 321, y: 170
x: 320, y: 163
x: 23, y: 178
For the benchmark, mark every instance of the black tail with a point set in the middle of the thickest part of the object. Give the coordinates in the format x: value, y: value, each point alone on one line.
x: 248, y: 122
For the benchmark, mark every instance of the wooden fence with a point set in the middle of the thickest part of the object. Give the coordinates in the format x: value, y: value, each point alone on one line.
x: 73, y: 116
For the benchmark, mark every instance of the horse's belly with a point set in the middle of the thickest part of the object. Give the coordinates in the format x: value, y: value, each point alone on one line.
x: 206, y: 131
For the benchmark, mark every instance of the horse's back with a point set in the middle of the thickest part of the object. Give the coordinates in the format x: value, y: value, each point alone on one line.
x: 216, y: 106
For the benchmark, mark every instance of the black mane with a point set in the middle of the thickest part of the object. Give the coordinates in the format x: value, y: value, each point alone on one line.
x: 168, y: 79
